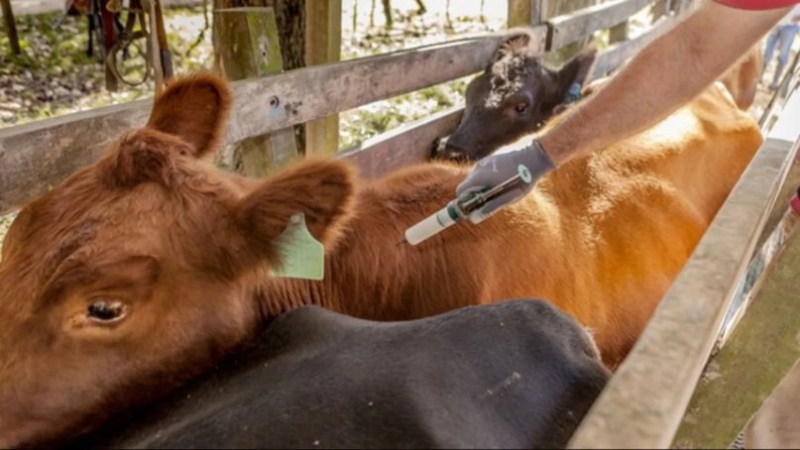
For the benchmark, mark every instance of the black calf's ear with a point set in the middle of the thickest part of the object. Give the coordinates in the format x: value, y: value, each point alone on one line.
x: 520, y: 41
x: 572, y: 76
x: 567, y: 82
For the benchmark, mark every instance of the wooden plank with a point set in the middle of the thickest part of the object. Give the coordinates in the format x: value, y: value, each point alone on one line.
x: 406, y: 145
x: 616, y: 55
x: 539, y: 11
x: 644, y: 402
x: 38, y: 155
x: 571, y: 27
x: 251, y: 49
x: 323, y: 46
x: 11, y: 26
x: 520, y: 13
x: 746, y: 370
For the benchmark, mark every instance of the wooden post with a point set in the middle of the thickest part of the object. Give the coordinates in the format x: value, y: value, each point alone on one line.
x: 11, y: 26
x: 251, y: 49
x: 109, y: 38
x: 760, y: 351
x: 323, y: 45
x: 520, y: 12
x: 554, y: 9
x: 164, y: 54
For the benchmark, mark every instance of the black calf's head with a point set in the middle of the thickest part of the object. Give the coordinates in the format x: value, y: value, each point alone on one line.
x: 514, y: 96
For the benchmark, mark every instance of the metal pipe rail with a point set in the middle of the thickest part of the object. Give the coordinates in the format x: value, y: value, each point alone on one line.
x: 646, y: 399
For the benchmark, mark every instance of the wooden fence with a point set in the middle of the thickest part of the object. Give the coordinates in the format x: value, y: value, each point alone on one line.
x: 646, y: 399
x: 36, y: 156
x: 644, y: 404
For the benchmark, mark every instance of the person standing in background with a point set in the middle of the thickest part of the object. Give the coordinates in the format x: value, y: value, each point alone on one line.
x: 783, y: 36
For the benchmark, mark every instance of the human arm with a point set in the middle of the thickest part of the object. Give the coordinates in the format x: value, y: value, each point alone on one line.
x: 665, y: 75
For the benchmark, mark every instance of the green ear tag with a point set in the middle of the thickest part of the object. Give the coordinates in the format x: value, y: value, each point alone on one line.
x: 304, y: 256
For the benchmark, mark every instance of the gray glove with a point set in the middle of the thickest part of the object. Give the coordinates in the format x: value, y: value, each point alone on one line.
x: 499, y: 167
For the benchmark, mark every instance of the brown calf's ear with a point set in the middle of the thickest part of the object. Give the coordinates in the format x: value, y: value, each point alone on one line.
x: 195, y: 108
x: 320, y: 189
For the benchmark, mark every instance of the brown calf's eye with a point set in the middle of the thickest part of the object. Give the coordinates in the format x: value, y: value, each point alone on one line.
x: 521, y: 107
x: 106, y: 310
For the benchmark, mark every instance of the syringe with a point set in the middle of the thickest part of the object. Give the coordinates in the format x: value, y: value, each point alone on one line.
x: 460, y: 208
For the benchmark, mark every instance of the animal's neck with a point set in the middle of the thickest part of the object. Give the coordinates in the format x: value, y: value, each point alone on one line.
x: 281, y: 295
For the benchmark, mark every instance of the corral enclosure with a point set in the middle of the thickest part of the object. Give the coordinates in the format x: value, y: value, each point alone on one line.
x: 644, y: 404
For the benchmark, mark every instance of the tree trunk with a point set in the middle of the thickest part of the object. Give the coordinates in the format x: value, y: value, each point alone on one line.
x: 372, y: 15
x: 448, y: 24
x: 355, y: 18
x: 11, y: 27
x: 387, y: 12
x: 291, y: 18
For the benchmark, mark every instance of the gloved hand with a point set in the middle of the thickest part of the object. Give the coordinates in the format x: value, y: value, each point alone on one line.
x: 499, y: 167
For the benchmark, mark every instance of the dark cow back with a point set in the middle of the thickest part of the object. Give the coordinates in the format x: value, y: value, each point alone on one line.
x: 516, y: 374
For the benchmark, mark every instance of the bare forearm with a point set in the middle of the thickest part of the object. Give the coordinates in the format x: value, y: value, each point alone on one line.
x: 662, y: 77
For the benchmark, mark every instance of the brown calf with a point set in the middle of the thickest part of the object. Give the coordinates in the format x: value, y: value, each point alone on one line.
x: 145, y: 268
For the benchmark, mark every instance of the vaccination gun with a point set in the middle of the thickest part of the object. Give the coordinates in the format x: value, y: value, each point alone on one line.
x: 460, y: 208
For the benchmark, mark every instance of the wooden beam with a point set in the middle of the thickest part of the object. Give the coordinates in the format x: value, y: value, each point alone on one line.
x: 581, y: 24
x: 11, y: 26
x: 406, y: 145
x: 36, y: 156
x: 323, y: 46
x: 250, y: 50
x: 746, y: 370
x: 520, y: 13
x: 643, y: 404
x: 616, y: 55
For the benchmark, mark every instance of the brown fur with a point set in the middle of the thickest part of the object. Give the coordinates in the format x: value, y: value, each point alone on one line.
x: 185, y: 249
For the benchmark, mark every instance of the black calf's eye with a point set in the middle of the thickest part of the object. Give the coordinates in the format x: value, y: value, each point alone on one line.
x: 106, y: 310
x: 521, y: 107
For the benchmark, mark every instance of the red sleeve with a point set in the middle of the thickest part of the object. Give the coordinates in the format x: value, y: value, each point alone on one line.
x: 758, y: 4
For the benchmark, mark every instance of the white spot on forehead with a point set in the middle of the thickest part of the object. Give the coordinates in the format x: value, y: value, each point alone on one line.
x: 506, y: 78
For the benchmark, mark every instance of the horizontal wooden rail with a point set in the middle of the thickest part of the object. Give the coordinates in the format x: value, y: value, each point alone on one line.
x: 403, y: 146
x: 742, y: 372
x: 616, y: 55
x: 746, y: 370
x: 644, y: 402
x: 38, y: 155
x: 581, y: 24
